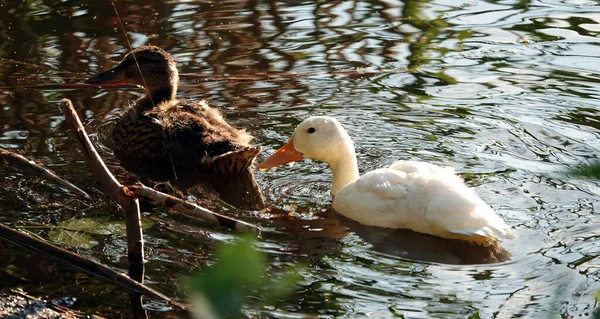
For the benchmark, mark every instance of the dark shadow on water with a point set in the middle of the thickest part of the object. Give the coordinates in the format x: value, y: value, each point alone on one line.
x: 238, y: 190
x: 322, y: 236
x: 412, y: 245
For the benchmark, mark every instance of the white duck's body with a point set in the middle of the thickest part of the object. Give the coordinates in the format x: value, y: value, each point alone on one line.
x: 423, y: 197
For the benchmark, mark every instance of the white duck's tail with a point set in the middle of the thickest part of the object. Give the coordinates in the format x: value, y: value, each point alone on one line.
x: 493, y: 231
x: 502, y: 231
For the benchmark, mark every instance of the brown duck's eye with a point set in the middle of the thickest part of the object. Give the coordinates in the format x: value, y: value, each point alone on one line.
x: 311, y: 130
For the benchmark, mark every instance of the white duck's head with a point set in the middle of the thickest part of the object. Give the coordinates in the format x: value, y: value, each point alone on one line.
x: 321, y: 138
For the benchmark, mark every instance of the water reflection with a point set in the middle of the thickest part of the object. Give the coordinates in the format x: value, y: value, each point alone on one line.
x: 322, y: 233
x: 503, y: 91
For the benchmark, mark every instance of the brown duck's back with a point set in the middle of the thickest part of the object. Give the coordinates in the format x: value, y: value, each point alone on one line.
x: 186, y: 133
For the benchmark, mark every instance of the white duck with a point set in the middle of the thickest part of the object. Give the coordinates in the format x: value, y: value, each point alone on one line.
x: 411, y: 195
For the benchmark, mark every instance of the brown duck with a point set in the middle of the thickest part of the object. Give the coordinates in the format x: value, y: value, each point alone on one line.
x: 163, y: 129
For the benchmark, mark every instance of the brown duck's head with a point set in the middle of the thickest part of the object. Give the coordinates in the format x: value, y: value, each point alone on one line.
x: 148, y: 66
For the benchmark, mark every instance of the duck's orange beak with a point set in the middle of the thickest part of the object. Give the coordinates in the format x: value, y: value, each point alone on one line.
x: 112, y: 76
x: 285, y: 154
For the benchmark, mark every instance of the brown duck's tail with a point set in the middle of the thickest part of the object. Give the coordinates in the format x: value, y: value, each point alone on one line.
x: 239, y: 190
x: 233, y: 162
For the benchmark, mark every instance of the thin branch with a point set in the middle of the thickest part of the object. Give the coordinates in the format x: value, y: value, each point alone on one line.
x: 189, y: 209
x: 13, y: 160
x: 58, y: 86
x: 81, y: 263
x: 260, y: 76
x: 135, y: 242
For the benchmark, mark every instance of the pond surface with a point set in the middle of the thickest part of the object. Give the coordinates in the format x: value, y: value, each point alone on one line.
x: 504, y: 91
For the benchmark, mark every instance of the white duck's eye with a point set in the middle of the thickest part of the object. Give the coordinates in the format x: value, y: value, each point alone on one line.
x: 311, y: 130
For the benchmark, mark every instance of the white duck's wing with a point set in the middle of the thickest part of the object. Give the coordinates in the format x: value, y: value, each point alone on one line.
x: 452, y: 205
x: 371, y: 199
x: 460, y: 211
x: 384, y: 183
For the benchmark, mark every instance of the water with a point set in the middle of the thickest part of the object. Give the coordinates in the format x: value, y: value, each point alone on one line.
x: 504, y: 91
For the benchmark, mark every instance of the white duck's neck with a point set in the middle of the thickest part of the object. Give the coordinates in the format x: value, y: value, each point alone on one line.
x: 344, y: 168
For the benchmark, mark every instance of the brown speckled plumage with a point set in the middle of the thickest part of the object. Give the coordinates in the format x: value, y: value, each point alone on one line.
x: 161, y: 128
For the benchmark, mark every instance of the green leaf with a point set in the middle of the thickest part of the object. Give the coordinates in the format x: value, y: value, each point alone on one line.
x: 98, y: 226
x: 76, y: 232
x: 282, y: 287
x: 241, y: 261
x: 72, y: 238
x: 225, y: 284
x: 222, y: 289
x: 92, y: 226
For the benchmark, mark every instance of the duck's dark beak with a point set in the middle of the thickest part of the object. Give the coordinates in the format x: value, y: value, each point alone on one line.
x: 115, y: 75
x: 285, y: 154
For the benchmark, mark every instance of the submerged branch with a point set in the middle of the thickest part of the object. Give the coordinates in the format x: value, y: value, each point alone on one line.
x: 13, y: 160
x: 58, y: 86
x: 189, y: 209
x: 259, y: 76
x: 81, y: 263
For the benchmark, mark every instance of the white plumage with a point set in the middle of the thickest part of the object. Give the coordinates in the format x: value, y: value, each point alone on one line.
x: 419, y: 196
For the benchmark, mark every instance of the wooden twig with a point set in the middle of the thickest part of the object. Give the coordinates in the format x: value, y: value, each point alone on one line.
x: 60, y: 86
x: 81, y: 263
x: 282, y: 76
x: 14, y: 160
x: 189, y: 209
x: 261, y: 76
x: 130, y: 205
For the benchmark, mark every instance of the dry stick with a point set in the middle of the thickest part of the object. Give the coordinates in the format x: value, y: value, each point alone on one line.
x: 131, y: 207
x: 264, y: 77
x: 59, y: 86
x: 189, y: 209
x: 84, y: 264
x: 16, y: 160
